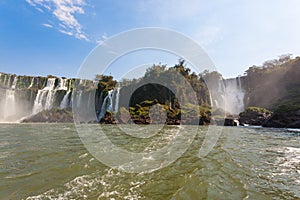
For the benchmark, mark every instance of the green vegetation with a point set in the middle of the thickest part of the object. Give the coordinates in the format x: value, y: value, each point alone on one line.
x: 257, y: 109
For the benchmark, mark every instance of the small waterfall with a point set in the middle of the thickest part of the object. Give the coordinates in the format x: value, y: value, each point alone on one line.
x: 14, y: 85
x: 117, y: 99
x: 170, y: 98
x: 62, y: 84
x: 32, y: 82
x: 65, y: 103
x: 216, y: 103
x: 7, y: 84
x: 38, y: 103
x: 49, y: 99
x: 79, y: 98
x: 50, y: 84
x: 45, y: 97
x: 210, y: 99
x: 110, y: 103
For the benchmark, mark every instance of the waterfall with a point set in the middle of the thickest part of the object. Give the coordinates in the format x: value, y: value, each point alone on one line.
x: 7, y: 84
x: 117, y: 99
x: 216, y: 103
x: 50, y: 84
x: 79, y: 98
x: 234, y: 96
x: 65, y: 103
x: 45, y: 97
x: 110, y: 103
x: 17, y: 102
x: 9, y: 109
x: 49, y: 99
x: 62, y: 84
x: 9, y: 105
x: 32, y: 82
x: 14, y: 83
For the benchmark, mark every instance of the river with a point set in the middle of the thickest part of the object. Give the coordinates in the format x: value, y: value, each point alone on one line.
x: 49, y: 161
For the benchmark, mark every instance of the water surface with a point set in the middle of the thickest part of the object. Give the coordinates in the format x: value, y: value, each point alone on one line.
x: 49, y: 161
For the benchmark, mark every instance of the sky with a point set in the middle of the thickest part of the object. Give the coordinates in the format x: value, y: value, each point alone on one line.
x: 42, y: 37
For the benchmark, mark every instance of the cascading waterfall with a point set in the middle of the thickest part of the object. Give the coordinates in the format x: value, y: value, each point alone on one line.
x: 79, y: 98
x: 44, y: 97
x: 110, y: 103
x: 25, y: 99
x: 14, y: 83
x: 65, y: 103
x: 234, y: 96
x: 117, y: 99
x: 9, y: 109
x: 229, y: 95
x: 62, y: 84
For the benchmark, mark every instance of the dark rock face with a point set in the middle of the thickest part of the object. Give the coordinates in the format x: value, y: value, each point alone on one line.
x: 289, y: 119
x: 108, y: 119
x: 225, y: 122
x: 254, y: 116
x: 51, y: 116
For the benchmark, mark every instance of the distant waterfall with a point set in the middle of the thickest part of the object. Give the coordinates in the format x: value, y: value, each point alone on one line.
x: 9, y: 109
x: 44, y: 97
x: 62, y: 84
x: 65, y: 103
x: 234, y: 96
x: 117, y: 99
x: 31, y: 83
x: 14, y: 85
x: 228, y: 94
x: 79, y: 98
x: 110, y: 103
x: 22, y: 96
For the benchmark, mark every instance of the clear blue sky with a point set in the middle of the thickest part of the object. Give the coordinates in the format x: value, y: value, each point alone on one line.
x: 41, y: 37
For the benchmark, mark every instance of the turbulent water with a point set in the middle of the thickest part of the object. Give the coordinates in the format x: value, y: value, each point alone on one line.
x: 49, y: 161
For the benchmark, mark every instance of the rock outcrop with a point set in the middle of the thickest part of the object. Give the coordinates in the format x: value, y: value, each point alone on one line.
x: 284, y: 118
x: 254, y: 116
x: 50, y: 116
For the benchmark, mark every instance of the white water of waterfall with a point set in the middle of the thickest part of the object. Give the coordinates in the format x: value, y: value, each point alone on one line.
x: 9, y: 106
x: 65, y: 103
x: 14, y: 83
x: 62, y: 85
x: 79, y: 98
x: 50, y: 84
x: 32, y: 82
x: 45, y: 97
x: 9, y: 109
x: 117, y: 99
x: 234, y: 96
x: 49, y: 99
x: 110, y: 103
x: 38, y: 104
